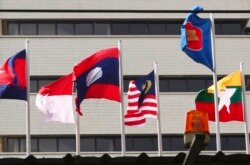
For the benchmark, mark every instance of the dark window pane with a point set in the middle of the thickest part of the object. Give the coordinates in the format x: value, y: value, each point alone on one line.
x: 236, y: 143
x: 196, y: 85
x: 120, y: 28
x: 117, y: 144
x: 164, y: 87
x: 34, y: 143
x: 13, y: 29
x: 28, y: 29
x: 13, y: 145
x: 156, y: 28
x: 231, y: 28
x: 33, y: 86
x: 65, y: 29
x: 143, y: 144
x: 218, y: 29
x: 177, y: 143
x: 212, y: 143
x: 87, y: 144
x: 166, y: 144
x: 47, y: 145
x: 101, y: 28
x: 84, y: 29
x: 66, y: 144
x: 138, y: 28
x: 174, y: 29
x: 104, y: 144
x: 46, y: 29
x: 176, y: 85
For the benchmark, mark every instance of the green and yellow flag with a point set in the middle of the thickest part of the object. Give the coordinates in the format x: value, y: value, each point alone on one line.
x: 230, y: 99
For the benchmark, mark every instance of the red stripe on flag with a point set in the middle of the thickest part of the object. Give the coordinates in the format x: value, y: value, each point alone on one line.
x: 107, y: 91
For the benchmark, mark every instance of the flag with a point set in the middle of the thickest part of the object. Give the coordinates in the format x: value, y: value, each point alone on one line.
x: 196, y: 38
x: 98, y: 77
x: 13, y: 77
x: 55, y: 100
x: 142, y: 101
x: 230, y: 99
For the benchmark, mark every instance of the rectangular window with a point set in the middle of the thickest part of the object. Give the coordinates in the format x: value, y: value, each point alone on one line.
x: 46, y: 29
x: 13, y: 145
x: 138, y: 28
x: 177, y: 85
x: 120, y: 29
x: 28, y: 29
x: 104, y: 144
x: 47, y: 145
x: 66, y: 145
x: 13, y: 29
x: 65, y: 29
x: 84, y: 28
x: 102, y: 28
x: 157, y: 28
x: 174, y: 28
x: 194, y: 85
x: 87, y: 144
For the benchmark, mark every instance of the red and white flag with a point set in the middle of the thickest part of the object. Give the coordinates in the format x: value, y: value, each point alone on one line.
x: 55, y: 100
x: 142, y: 103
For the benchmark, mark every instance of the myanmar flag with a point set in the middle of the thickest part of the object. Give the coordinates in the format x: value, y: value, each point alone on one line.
x: 230, y: 99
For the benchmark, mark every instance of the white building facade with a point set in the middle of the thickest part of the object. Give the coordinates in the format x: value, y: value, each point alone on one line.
x: 63, y: 32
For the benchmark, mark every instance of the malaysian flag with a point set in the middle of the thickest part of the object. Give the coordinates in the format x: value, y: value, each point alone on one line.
x: 142, y: 101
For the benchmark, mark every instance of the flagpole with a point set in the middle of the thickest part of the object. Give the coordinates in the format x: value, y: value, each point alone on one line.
x: 77, y: 127
x: 217, y: 120
x: 156, y: 77
x: 244, y: 106
x: 123, y: 142
x: 28, y: 98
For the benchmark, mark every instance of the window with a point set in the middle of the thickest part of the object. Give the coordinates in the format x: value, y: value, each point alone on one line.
x: 113, y: 27
x: 47, y: 145
x: 120, y: 28
x: 157, y: 28
x: 28, y: 29
x: 66, y: 145
x: 102, y: 28
x: 138, y: 28
x: 46, y: 29
x: 13, y: 29
x: 84, y: 29
x: 65, y: 29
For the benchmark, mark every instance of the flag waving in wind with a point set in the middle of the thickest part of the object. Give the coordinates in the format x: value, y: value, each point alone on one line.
x: 55, y: 100
x: 13, y: 77
x: 196, y: 38
x: 230, y: 99
x: 142, y: 101
x: 98, y: 77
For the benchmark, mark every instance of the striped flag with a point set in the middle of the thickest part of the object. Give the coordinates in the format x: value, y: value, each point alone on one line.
x: 142, y: 101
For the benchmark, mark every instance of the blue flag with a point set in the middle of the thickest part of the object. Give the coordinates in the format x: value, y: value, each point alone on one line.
x: 13, y: 77
x: 196, y: 38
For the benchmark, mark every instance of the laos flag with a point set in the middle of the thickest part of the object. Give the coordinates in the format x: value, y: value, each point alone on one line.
x: 196, y: 38
x: 98, y: 77
x: 13, y: 77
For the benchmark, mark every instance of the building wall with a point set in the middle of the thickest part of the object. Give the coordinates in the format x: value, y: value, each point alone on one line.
x: 56, y: 55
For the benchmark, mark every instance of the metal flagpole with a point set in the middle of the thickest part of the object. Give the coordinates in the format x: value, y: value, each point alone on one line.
x: 244, y: 106
x: 28, y: 99
x: 77, y: 127
x: 217, y: 120
x: 123, y: 142
x: 156, y: 77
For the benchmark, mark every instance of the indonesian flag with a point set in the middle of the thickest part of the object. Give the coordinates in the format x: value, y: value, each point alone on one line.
x: 142, y: 101
x: 55, y: 100
x: 230, y: 99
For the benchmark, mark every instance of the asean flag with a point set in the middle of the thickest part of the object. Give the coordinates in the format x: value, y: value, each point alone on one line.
x: 196, y: 38
x: 98, y: 77
x: 13, y: 77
